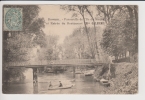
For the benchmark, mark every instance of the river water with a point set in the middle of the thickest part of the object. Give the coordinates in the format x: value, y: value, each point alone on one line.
x: 83, y: 84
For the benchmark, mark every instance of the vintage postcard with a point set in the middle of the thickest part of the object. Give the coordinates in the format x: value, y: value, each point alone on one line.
x: 70, y: 49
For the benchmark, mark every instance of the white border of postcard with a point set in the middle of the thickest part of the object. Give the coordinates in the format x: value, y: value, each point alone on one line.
x: 141, y: 90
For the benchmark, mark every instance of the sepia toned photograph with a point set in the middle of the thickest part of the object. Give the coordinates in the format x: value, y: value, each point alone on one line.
x: 70, y: 49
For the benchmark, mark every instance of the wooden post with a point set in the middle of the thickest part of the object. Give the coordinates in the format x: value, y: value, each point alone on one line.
x: 35, y: 81
x: 35, y: 78
x: 74, y: 72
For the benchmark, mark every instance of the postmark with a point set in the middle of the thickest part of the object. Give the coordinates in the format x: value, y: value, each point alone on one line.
x: 13, y: 19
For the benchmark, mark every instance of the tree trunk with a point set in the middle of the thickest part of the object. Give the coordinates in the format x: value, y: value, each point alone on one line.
x: 125, y: 54
x: 96, y: 44
x: 93, y: 56
x: 136, y: 19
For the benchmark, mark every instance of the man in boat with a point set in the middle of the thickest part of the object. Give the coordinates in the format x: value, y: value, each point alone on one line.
x: 50, y: 85
x: 60, y: 84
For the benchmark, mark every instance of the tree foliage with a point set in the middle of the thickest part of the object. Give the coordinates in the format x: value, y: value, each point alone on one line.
x: 76, y: 45
x: 16, y: 45
x: 81, y: 10
x: 51, y: 50
x: 120, y: 34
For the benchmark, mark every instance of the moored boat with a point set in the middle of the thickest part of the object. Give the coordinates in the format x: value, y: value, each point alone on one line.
x: 49, y: 71
x: 105, y: 82
x: 89, y: 73
x: 78, y: 72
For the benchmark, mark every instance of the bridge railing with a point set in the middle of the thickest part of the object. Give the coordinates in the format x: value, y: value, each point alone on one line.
x: 27, y: 63
x: 74, y: 61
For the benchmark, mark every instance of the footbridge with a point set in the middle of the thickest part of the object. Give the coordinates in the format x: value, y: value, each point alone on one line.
x: 39, y: 64
x: 53, y: 63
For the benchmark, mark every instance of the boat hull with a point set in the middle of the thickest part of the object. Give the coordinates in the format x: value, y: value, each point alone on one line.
x: 78, y: 72
x: 50, y: 72
x: 56, y: 88
x: 105, y: 82
x: 88, y: 74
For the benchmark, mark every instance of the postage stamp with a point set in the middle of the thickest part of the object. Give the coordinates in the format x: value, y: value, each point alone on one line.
x: 13, y: 19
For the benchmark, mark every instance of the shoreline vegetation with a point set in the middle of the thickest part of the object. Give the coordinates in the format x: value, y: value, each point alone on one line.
x: 124, y: 78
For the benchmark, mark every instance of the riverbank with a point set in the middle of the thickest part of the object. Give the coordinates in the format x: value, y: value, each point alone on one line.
x: 124, y: 78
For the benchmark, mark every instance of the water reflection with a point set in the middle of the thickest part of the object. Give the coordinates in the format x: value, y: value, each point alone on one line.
x: 83, y: 84
x: 35, y: 88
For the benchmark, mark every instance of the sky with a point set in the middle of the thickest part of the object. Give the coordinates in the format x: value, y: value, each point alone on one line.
x: 49, y: 12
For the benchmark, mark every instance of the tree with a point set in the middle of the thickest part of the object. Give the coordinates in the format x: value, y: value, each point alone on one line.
x: 133, y: 13
x: 16, y: 45
x: 120, y: 34
x: 107, y: 11
x: 76, y: 44
x: 80, y: 10
x: 50, y: 50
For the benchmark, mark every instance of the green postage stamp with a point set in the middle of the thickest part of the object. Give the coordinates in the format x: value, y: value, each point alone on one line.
x: 13, y: 19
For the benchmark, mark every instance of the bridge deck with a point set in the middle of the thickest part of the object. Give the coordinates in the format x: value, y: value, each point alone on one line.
x: 38, y: 64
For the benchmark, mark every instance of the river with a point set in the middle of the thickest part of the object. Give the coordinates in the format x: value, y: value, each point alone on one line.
x: 83, y: 84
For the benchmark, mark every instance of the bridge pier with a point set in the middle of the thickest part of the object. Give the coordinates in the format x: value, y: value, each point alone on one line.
x: 35, y: 80
x: 35, y: 77
x: 74, y: 72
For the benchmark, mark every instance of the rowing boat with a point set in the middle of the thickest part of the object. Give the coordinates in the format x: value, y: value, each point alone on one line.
x: 64, y: 87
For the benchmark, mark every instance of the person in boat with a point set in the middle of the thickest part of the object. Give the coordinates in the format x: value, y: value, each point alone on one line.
x: 60, y: 84
x: 50, y: 85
